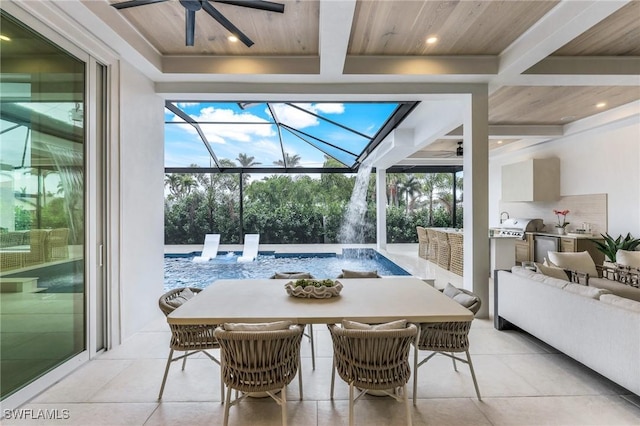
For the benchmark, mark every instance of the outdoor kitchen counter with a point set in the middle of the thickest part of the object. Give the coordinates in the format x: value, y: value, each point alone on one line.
x: 568, y: 235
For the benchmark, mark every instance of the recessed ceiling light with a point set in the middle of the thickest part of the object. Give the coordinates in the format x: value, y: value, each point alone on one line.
x: 232, y: 38
x: 601, y: 104
x: 432, y: 40
x: 4, y: 37
x: 568, y: 118
x: 499, y: 142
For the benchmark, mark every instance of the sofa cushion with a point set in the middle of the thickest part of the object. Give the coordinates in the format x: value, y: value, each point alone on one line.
x: 465, y: 299
x: 393, y: 325
x: 586, y: 291
x: 555, y: 282
x: 579, y: 261
x: 552, y: 271
x: 181, y: 298
x: 628, y: 258
x: 616, y: 288
x: 621, y: 302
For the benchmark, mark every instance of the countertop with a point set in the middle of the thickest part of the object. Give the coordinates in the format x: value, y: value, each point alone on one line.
x: 576, y: 236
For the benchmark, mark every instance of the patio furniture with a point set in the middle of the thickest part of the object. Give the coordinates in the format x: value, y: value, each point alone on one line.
x: 432, y: 253
x: 37, y: 254
x: 210, y: 248
x: 423, y: 242
x: 295, y: 276
x: 456, y: 244
x: 447, y: 338
x: 373, y: 360
x: 259, y: 361
x: 444, y: 250
x: 59, y: 244
x: 189, y: 338
x: 250, y: 250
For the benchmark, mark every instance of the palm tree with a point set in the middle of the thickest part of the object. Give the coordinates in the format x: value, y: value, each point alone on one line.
x: 246, y: 161
x: 411, y: 188
x: 289, y: 160
x: 172, y: 180
x: 432, y: 182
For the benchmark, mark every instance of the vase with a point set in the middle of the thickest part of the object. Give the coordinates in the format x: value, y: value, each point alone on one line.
x: 560, y: 231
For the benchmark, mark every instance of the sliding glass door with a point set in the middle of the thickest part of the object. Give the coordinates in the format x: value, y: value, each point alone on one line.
x: 42, y: 206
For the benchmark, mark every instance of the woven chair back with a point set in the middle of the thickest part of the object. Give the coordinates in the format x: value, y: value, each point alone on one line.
x: 456, y: 243
x: 373, y: 359
x: 258, y: 361
x: 444, y: 250
x: 445, y: 336
x: 432, y: 252
x: 165, y: 307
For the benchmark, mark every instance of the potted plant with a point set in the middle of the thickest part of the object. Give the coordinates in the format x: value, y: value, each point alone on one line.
x: 610, y: 246
x: 562, y: 223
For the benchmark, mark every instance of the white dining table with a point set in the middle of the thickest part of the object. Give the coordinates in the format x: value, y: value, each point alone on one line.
x: 369, y: 300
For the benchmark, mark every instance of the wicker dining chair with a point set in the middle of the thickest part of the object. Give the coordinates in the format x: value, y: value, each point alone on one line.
x: 190, y: 339
x: 446, y: 338
x: 295, y: 276
x: 444, y: 250
x: 423, y: 242
x: 456, y: 244
x: 432, y: 253
x: 373, y: 360
x: 59, y: 244
x: 37, y: 254
x: 259, y: 361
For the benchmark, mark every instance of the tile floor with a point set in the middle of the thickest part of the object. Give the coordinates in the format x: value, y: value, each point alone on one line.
x: 522, y: 381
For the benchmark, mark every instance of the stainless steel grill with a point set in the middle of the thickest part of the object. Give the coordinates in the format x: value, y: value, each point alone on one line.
x: 518, y: 227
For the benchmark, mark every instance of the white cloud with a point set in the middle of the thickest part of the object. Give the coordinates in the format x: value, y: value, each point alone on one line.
x: 330, y: 108
x: 238, y: 131
x: 299, y: 119
x: 187, y: 104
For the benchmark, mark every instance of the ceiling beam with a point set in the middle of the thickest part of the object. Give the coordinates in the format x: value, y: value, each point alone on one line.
x: 513, y: 131
x: 616, y: 65
x: 336, y: 18
x: 249, y: 65
x: 562, y: 24
x: 419, y: 65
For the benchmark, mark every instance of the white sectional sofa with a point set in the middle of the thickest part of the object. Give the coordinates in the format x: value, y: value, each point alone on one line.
x: 591, y: 325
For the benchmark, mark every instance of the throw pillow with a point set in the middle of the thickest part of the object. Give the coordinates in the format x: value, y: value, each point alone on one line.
x: 551, y: 271
x: 628, y: 258
x: 465, y: 299
x: 359, y: 274
x: 263, y: 326
x: 393, y: 325
x: 292, y: 275
x: 181, y: 298
x: 580, y: 261
x: 451, y: 291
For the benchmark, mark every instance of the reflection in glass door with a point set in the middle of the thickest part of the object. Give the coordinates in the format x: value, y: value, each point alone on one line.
x: 42, y: 199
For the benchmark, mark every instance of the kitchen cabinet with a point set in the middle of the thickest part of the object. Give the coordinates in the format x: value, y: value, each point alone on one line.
x: 524, y: 249
x: 582, y: 244
x: 536, y: 179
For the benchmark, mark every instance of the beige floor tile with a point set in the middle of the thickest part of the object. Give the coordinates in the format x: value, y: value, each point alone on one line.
x: 448, y: 412
x: 490, y: 341
x: 142, y: 345
x: 570, y: 410
x: 370, y: 412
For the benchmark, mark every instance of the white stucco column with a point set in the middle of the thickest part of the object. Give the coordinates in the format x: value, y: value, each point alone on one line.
x: 381, y: 209
x: 476, y: 196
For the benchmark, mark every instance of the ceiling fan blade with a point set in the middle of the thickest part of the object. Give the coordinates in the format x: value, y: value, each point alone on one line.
x: 134, y: 3
x: 256, y: 4
x: 227, y: 24
x: 190, y: 30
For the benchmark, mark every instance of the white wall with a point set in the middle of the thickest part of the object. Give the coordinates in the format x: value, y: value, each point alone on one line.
x: 604, y: 160
x: 142, y: 200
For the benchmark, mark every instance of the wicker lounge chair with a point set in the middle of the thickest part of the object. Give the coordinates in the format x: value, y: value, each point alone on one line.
x: 446, y: 338
x: 373, y: 360
x: 259, y: 361
x: 191, y: 339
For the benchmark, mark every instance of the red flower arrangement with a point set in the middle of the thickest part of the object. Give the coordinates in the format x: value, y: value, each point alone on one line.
x: 562, y: 223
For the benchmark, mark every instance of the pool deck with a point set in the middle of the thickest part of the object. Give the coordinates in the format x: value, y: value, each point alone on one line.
x: 403, y: 255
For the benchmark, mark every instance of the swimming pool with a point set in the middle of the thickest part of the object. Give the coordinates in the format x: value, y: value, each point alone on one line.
x: 181, y: 271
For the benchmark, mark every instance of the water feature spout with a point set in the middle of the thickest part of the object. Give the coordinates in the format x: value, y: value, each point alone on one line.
x: 353, y: 227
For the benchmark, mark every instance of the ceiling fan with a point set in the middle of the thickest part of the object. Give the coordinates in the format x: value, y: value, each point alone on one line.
x: 445, y: 153
x: 192, y: 6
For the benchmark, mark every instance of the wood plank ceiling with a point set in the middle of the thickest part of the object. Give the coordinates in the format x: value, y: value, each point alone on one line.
x: 390, y: 32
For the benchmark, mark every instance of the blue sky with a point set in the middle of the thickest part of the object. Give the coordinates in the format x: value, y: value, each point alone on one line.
x: 232, y: 130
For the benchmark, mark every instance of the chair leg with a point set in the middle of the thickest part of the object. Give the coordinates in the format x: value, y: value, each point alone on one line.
x: 283, y: 403
x: 407, y: 406
x: 227, y: 402
x: 333, y: 376
x: 313, y: 351
x: 455, y: 367
x: 166, y: 372
x: 415, y: 374
x: 351, y: 404
x: 184, y: 360
x: 300, y: 378
x: 473, y: 375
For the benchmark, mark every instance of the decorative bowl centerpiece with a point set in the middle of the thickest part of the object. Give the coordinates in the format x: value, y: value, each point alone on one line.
x: 316, y: 289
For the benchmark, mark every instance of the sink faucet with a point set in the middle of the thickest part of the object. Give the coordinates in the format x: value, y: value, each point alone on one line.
x: 502, y: 214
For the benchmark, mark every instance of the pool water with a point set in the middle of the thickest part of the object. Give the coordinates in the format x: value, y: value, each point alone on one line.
x: 181, y: 271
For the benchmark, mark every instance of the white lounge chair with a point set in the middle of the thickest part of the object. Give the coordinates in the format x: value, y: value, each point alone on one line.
x: 250, y: 251
x: 210, y: 249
